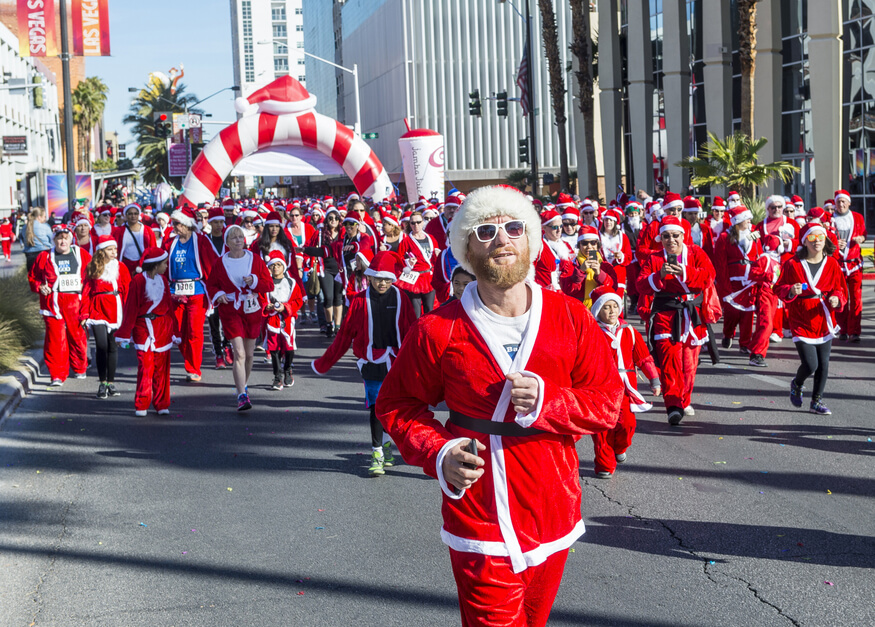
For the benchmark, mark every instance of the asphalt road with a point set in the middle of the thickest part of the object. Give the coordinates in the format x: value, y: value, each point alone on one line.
x: 751, y: 513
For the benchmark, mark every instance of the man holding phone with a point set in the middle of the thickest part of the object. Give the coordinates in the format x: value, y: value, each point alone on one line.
x: 525, y: 372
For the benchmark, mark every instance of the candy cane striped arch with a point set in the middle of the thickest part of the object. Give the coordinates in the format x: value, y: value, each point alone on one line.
x: 257, y: 132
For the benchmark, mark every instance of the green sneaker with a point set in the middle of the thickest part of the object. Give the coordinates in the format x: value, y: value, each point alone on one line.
x: 376, y: 469
x: 388, y: 458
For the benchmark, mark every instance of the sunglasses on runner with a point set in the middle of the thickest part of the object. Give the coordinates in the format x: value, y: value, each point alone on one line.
x: 487, y: 232
x: 815, y: 237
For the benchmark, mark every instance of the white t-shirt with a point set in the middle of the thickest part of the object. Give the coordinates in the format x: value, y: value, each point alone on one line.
x: 508, y: 330
x: 130, y: 250
x: 238, y: 269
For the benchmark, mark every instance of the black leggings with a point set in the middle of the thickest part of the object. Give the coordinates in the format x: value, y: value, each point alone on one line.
x: 332, y: 291
x: 288, y: 356
x: 217, y: 334
x: 376, y: 428
x: 815, y: 359
x: 107, y: 352
x: 422, y: 303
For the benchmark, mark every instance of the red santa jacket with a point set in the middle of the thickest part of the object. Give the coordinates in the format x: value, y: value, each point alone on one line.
x: 674, y: 313
x: 122, y: 235
x: 812, y: 320
x: 147, y: 320
x: 783, y: 228
x: 550, y: 270
x: 219, y: 284
x: 441, y: 282
x: 290, y: 294
x: 357, y: 330
x: 526, y: 505
x: 6, y: 233
x: 204, y: 255
x: 851, y: 258
x: 409, y: 249
x: 574, y: 283
x: 103, y: 298
x: 630, y: 352
x: 737, y: 273
x: 438, y: 231
x: 702, y: 236
x: 718, y: 227
x: 66, y: 291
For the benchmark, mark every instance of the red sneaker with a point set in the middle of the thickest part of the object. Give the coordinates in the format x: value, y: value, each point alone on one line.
x: 220, y: 364
x: 229, y: 355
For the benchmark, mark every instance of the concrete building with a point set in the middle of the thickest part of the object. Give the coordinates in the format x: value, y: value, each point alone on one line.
x: 30, y: 128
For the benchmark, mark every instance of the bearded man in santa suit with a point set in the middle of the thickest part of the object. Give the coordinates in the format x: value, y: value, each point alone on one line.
x: 851, y: 231
x: 525, y: 372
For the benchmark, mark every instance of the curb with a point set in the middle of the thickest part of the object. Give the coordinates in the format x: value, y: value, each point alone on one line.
x: 19, y: 382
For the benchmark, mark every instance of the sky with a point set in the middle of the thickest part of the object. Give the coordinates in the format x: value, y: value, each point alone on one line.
x: 156, y: 36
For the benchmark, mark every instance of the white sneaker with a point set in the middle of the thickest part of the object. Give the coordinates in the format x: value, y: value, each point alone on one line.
x: 689, y: 411
x: 140, y: 413
x: 163, y: 412
x: 774, y: 338
x: 80, y: 375
x: 56, y: 383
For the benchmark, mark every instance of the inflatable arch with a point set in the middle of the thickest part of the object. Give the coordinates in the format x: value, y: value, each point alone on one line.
x: 285, y: 117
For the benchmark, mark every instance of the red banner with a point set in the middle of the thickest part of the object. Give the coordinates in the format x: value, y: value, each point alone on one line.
x: 91, y: 28
x: 36, y: 28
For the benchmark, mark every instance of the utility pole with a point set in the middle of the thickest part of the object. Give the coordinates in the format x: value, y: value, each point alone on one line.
x: 68, y: 111
x: 533, y: 144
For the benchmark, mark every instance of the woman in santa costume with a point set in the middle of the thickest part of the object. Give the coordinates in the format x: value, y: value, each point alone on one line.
x: 148, y: 324
x: 588, y: 270
x: 103, y: 225
x: 555, y: 260
x: 786, y: 229
x: 326, y: 247
x: 58, y: 276
x: 81, y: 226
x: 280, y: 313
x: 851, y: 231
x: 615, y: 247
x: 6, y: 238
x: 191, y: 258
x: 700, y: 233
x: 378, y: 321
x: 813, y: 288
x: 103, y: 298
x: 440, y: 226
x: 676, y: 278
x: 237, y: 286
x: 419, y: 250
x: 630, y: 353
x: 764, y: 272
x: 525, y: 372
x: 133, y: 238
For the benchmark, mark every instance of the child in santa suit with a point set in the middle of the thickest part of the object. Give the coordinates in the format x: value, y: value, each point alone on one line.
x: 57, y: 276
x: 6, y: 237
x: 378, y: 320
x: 765, y: 272
x: 630, y: 352
x: 281, y: 312
x: 103, y: 298
x: 148, y: 323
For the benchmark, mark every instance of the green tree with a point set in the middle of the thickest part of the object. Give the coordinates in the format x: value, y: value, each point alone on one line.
x: 152, y: 151
x: 747, y: 54
x: 557, y: 84
x: 518, y: 179
x: 732, y: 163
x: 104, y: 165
x: 582, y: 47
x: 89, y: 102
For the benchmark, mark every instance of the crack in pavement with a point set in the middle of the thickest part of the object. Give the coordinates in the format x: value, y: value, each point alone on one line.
x: 630, y: 510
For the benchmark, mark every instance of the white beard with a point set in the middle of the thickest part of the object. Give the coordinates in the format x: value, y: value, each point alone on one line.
x: 634, y: 223
x: 110, y: 271
x: 155, y: 288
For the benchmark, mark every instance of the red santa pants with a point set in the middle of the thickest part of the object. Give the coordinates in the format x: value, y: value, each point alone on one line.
x: 7, y: 248
x: 190, y: 316
x: 733, y: 318
x: 677, y: 371
x: 767, y: 320
x: 492, y: 595
x: 66, y: 343
x: 609, y: 444
x: 153, y: 380
x: 850, y: 318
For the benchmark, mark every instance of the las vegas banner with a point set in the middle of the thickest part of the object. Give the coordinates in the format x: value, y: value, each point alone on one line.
x: 37, y: 34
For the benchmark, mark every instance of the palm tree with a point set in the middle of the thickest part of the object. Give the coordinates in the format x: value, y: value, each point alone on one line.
x: 582, y: 48
x: 747, y: 43
x: 557, y: 83
x: 732, y: 163
x: 151, y: 151
x: 518, y: 179
x: 89, y: 101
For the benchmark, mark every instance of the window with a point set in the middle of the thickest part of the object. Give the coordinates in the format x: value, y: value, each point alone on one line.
x: 250, y: 77
x: 302, y: 78
x: 280, y: 48
x: 301, y: 61
x: 279, y: 30
x: 247, y: 47
x: 300, y: 44
x: 278, y: 14
x: 299, y: 28
x: 299, y: 11
x: 281, y: 64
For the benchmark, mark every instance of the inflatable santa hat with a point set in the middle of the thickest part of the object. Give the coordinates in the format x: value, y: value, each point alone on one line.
x: 284, y: 95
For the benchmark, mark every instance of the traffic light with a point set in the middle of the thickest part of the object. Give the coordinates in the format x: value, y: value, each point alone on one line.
x: 501, y: 100
x: 163, y: 123
x: 474, y: 105
x: 38, y: 92
x: 524, y: 150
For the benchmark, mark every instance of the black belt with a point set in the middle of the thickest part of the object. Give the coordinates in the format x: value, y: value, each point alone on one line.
x: 150, y: 316
x: 663, y: 303
x: 817, y: 296
x: 115, y: 293
x: 743, y: 262
x: 490, y: 427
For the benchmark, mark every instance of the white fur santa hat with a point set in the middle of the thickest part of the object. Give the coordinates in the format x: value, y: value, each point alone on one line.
x: 601, y: 295
x: 284, y: 95
x: 185, y: 216
x: 492, y: 202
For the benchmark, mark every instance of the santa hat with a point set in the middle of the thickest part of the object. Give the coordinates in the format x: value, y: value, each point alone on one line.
x: 613, y: 214
x: 829, y: 203
x: 79, y: 218
x: 277, y: 256
x: 185, y: 216
x: 247, y: 213
x: 673, y: 200
x: 564, y: 201
x: 230, y: 230
x: 330, y: 211
x: 59, y: 229
x: 773, y: 244
x: 162, y: 216
x: 734, y: 197
x: 691, y: 203
x: 796, y: 200
x: 229, y: 203
x: 550, y: 216
x: 386, y: 264
x: 454, y: 200
x: 739, y: 214
x: 105, y: 241
x: 818, y: 215
x: 571, y: 215
x: 284, y: 95
x: 216, y: 214
x: 351, y: 219
x: 841, y: 193
x: 808, y: 229
x: 771, y: 200
x: 153, y: 254
x: 147, y: 209
x: 134, y: 206
x: 633, y: 205
x: 388, y: 218
x: 492, y: 202
x: 601, y: 295
x: 273, y: 218
x: 588, y: 206
x: 352, y: 196
x: 718, y: 203
x: 587, y: 233
x: 405, y: 217
x: 430, y: 213
x: 671, y: 223
x: 104, y: 210
x: 365, y: 255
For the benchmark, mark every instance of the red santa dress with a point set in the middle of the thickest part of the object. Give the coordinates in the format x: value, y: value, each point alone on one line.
x: 241, y: 317
x: 131, y: 246
x: 280, y: 323
x: 6, y: 237
x: 812, y: 320
x: 737, y: 287
x: 103, y: 298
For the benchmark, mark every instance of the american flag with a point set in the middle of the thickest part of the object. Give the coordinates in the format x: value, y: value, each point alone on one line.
x: 522, y: 78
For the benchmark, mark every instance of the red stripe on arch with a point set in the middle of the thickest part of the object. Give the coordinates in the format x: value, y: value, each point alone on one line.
x: 204, y: 171
x: 307, y: 126
x: 231, y: 141
x: 342, y: 144
x: 368, y: 174
x: 266, y: 129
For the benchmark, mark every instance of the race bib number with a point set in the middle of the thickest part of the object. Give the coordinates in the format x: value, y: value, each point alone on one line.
x: 70, y: 283
x: 250, y: 304
x: 409, y: 276
x: 554, y: 279
x: 183, y: 288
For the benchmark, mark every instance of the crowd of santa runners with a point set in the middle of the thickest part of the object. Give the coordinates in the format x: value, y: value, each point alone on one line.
x: 222, y: 282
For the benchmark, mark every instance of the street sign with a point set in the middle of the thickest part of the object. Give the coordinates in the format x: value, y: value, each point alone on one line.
x: 178, y: 159
x: 370, y: 135
x: 15, y: 144
x: 17, y: 86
